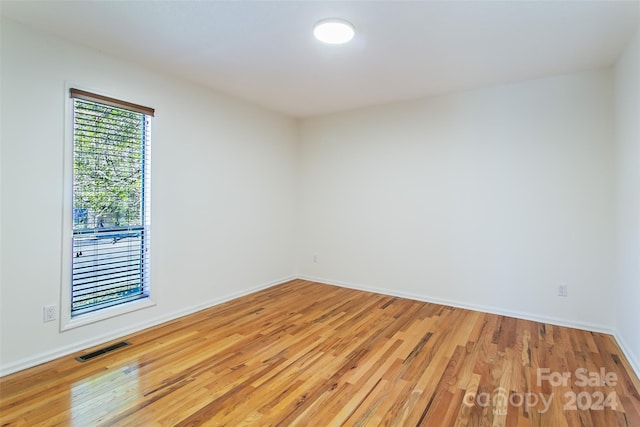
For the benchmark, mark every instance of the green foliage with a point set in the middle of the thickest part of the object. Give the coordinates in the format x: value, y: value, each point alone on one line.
x: 108, y: 166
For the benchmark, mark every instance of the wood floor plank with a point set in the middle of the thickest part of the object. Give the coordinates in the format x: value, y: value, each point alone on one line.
x: 309, y: 354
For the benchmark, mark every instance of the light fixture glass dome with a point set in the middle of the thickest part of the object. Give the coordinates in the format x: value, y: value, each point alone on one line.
x: 333, y: 31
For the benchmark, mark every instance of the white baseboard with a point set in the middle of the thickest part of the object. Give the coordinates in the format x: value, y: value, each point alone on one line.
x: 631, y: 357
x: 633, y: 360
x: 63, y: 351
x: 118, y: 333
x: 626, y: 350
x: 469, y: 306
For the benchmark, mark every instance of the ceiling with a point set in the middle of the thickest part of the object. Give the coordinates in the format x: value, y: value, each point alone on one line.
x: 264, y: 51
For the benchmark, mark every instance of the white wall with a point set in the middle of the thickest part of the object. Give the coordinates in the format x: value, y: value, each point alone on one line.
x: 627, y: 91
x: 487, y: 199
x: 222, y: 192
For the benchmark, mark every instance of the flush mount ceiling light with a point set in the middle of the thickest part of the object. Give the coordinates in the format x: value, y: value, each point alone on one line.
x: 334, y: 31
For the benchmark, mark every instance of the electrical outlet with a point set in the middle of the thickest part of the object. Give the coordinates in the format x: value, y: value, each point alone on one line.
x: 50, y: 313
x: 562, y: 290
x: 315, y: 258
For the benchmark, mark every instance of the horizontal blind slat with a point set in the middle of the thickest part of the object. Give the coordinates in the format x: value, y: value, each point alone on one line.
x: 110, y: 288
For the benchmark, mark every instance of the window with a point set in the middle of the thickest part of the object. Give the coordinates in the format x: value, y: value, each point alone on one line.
x: 111, y: 204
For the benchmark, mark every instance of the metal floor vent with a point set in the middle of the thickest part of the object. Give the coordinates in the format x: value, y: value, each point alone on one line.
x: 105, y: 350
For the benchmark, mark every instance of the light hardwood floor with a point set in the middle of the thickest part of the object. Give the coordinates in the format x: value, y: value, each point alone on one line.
x: 304, y: 353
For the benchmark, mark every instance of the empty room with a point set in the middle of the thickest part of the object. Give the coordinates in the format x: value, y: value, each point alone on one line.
x: 320, y: 213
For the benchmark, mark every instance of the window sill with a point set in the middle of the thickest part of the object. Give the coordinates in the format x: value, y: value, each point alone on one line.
x: 106, y: 313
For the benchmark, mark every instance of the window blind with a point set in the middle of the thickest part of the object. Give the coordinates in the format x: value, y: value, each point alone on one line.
x: 111, y: 205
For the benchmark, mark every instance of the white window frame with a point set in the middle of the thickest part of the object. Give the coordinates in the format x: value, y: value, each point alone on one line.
x: 66, y: 320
